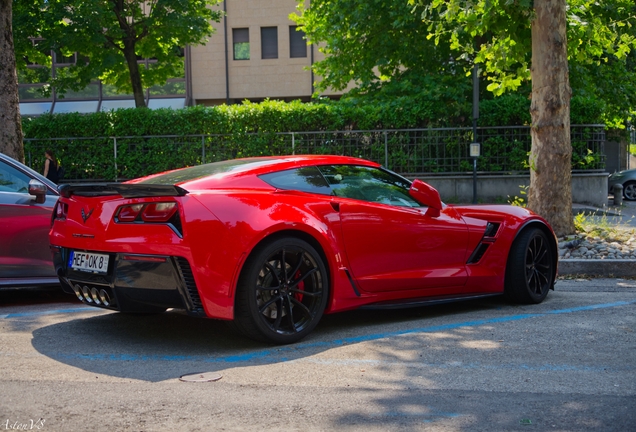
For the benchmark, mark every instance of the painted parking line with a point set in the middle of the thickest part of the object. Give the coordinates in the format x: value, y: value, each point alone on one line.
x: 282, y: 354
x: 49, y: 312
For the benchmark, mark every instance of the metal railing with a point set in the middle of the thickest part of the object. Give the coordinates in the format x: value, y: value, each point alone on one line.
x: 433, y: 151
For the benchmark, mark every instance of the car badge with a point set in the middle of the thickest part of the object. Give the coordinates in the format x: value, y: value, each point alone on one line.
x: 85, y: 215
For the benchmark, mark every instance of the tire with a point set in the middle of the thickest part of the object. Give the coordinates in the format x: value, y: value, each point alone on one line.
x: 282, y: 292
x: 629, y: 191
x: 531, y: 267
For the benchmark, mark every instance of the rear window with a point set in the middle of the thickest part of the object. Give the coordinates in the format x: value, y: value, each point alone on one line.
x: 307, y: 179
x: 200, y: 171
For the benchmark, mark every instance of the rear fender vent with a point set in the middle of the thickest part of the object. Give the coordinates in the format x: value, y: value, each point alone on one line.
x: 195, y: 305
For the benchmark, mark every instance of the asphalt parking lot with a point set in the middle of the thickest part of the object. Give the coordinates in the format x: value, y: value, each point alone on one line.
x: 568, y: 364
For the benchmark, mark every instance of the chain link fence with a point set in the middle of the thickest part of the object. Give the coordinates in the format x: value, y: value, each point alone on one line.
x: 411, y: 152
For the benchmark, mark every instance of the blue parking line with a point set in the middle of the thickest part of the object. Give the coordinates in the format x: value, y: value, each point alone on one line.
x: 49, y: 312
x: 280, y: 354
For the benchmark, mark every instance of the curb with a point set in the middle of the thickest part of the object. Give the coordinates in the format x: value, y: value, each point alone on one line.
x: 597, y: 267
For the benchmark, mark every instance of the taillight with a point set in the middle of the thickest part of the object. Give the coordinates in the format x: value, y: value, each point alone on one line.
x: 129, y: 213
x: 161, y: 212
x: 61, y: 210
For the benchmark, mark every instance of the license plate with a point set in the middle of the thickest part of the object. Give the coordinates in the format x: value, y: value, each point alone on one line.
x: 88, y: 262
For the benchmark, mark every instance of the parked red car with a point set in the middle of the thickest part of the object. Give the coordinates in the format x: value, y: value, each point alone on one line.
x: 26, y: 206
x: 272, y: 243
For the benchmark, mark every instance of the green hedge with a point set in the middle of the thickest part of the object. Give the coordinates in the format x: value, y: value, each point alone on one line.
x: 248, y: 130
x: 277, y: 116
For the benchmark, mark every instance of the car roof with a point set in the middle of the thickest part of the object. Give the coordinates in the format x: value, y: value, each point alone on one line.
x: 236, y: 172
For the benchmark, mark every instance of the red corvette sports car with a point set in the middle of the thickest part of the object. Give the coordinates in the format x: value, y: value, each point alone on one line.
x: 272, y: 243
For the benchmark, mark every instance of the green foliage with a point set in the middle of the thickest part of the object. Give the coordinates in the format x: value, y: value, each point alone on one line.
x: 509, y: 109
x: 377, y: 44
x: 601, y: 38
x: 423, y: 49
x: 273, y: 116
x: 580, y: 222
x: 520, y: 201
x: 604, y: 226
x: 608, y: 90
x: 495, y: 33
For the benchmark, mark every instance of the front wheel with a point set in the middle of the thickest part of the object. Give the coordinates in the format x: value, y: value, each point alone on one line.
x: 531, y: 267
x: 282, y: 292
x: 629, y: 191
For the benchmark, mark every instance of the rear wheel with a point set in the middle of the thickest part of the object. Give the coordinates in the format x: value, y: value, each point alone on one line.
x: 530, y: 270
x: 629, y: 191
x: 282, y: 292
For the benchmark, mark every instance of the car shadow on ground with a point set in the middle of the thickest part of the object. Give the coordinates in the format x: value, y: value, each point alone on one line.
x: 166, y: 346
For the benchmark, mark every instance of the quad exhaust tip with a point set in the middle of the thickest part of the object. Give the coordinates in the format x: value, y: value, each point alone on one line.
x: 104, y: 297
x: 92, y: 295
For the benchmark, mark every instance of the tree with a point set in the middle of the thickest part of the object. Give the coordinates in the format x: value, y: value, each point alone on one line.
x: 372, y: 42
x: 550, y: 193
x: 110, y: 36
x: 381, y: 46
x: 526, y: 38
x: 389, y: 51
x: 10, y: 123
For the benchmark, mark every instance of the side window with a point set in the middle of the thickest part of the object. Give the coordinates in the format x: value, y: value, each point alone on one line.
x: 297, y: 42
x: 269, y: 42
x: 368, y: 184
x: 241, y: 41
x: 13, y: 180
x: 308, y: 179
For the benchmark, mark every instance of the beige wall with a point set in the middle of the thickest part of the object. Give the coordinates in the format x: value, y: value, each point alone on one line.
x: 255, y: 78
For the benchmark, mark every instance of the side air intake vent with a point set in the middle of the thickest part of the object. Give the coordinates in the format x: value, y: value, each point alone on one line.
x: 491, y: 229
x: 478, y: 253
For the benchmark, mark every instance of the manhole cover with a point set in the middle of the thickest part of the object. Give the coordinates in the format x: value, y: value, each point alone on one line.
x: 201, y: 377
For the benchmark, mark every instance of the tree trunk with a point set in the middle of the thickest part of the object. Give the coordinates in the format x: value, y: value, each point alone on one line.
x: 11, y: 139
x: 550, y: 193
x: 135, y: 76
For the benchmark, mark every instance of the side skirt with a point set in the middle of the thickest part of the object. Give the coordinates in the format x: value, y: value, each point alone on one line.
x: 426, y: 301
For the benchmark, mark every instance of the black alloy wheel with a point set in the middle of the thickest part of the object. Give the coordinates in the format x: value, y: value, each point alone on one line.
x: 282, y: 292
x: 531, y: 267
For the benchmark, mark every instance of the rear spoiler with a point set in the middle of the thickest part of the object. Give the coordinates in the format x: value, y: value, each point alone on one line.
x: 137, y: 190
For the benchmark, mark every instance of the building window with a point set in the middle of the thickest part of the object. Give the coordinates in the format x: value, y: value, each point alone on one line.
x: 241, y: 40
x: 269, y: 42
x: 62, y: 59
x: 297, y: 42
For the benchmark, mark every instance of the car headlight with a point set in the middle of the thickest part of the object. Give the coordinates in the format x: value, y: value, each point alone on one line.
x: 616, y: 176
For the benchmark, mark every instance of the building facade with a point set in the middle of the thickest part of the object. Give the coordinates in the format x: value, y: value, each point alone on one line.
x: 255, y: 53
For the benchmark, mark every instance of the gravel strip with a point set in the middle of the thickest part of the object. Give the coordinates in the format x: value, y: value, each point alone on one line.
x: 621, y: 245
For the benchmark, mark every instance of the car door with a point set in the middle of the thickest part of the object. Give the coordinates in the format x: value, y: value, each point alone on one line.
x: 25, y: 256
x: 391, y: 243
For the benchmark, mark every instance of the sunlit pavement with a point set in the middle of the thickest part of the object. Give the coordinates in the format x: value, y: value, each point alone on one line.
x: 566, y: 364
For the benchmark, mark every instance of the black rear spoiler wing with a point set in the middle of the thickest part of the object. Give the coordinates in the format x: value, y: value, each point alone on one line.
x: 137, y: 190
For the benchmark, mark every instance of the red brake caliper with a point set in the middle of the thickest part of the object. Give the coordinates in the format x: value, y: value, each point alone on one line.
x: 300, y: 287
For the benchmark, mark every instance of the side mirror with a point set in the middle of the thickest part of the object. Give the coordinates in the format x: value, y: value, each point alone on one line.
x: 427, y: 195
x: 37, y: 189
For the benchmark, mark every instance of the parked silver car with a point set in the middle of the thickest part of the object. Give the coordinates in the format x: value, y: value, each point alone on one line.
x: 627, y: 178
x: 26, y: 206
